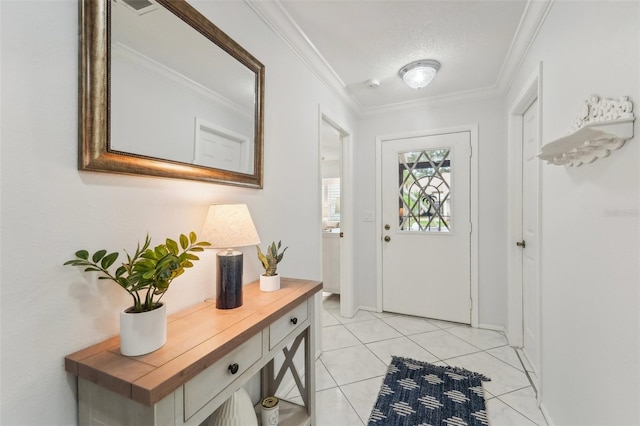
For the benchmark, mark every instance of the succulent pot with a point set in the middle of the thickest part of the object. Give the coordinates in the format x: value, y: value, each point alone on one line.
x: 270, y: 282
x: 143, y: 332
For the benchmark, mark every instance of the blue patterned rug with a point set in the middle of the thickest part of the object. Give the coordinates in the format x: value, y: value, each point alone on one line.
x: 416, y: 393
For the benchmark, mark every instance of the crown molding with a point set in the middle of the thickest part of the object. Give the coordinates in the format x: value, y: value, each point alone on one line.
x: 277, y: 18
x: 534, y: 15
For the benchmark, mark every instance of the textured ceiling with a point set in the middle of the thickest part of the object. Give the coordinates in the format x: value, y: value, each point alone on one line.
x: 362, y: 40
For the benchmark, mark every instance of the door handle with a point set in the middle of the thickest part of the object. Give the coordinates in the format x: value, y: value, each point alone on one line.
x: 522, y: 244
x: 387, y: 238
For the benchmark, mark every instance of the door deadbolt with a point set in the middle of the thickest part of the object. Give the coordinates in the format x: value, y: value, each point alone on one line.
x: 387, y: 227
x: 521, y: 244
x: 387, y: 238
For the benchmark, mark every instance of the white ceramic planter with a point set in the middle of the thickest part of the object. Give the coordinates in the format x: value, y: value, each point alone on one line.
x: 144, y: 332
x: 270, y: 283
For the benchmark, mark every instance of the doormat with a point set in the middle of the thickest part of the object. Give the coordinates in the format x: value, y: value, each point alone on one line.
x: 419, y: 393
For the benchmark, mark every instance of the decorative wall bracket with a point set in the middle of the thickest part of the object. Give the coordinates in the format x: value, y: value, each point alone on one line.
x: 603, y: 126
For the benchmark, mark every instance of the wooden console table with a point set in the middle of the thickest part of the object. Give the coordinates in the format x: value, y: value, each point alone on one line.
x: 210, y: 353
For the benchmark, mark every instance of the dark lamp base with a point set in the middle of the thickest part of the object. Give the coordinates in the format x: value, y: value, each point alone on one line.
x: 229, y: 280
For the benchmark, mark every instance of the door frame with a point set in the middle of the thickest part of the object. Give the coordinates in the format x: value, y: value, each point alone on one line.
x: 530, y: 92
x: 473, y: 135
x: 347, y: 305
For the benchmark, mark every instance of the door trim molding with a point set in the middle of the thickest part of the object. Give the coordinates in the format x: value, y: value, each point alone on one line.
x: 347, y: 299
x: 473, y: 134
x: 530, y: 92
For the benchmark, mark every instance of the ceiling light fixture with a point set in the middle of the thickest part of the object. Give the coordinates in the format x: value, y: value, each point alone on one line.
x: 420, y: 73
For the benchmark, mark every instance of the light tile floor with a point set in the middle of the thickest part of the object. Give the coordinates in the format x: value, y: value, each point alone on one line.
x: 356, y: 352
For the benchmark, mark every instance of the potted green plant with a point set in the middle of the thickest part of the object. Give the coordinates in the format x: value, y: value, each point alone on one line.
x: 146, y: 275
x: 270, y: 280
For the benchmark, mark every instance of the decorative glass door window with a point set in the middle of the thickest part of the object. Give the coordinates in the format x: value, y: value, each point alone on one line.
x: 425, y: 190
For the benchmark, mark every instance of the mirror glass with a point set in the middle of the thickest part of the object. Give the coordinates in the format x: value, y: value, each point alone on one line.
x: 182, y: 99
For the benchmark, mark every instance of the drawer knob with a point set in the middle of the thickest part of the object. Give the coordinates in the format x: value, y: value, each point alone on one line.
x: 233, y: 368
x: 294, y: 320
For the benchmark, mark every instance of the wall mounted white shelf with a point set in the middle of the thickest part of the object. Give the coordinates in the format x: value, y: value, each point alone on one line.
x: 605, y: 125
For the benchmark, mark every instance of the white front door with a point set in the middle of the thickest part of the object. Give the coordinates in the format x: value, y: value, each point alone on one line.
x: 530, y: 287
x: 426, y: 260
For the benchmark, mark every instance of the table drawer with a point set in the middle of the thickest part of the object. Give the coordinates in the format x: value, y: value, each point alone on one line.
x: 204, y: 387
x: 287, y: 324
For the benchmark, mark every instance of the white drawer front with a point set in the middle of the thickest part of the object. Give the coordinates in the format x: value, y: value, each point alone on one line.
x: 288, y: 323
x: 205, y: 386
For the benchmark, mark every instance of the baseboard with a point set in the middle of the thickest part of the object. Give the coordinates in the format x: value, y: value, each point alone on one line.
x: 493, y: 327
x: 366, y: 308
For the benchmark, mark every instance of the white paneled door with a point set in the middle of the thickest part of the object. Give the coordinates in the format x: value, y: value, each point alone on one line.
x: 426, y: 261
x: 530, y: 287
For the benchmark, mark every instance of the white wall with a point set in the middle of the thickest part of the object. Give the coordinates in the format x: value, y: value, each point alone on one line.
x: 50, y: 209
x: 489, y: 116
x: 590, y: 274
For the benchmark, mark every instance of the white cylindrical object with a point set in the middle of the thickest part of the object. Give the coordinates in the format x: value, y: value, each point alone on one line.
x: 270, y: 283
x: 144, y: 332
x: 270, y: 411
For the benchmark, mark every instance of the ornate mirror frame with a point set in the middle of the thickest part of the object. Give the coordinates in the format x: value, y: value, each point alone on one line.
x: 95, y: 153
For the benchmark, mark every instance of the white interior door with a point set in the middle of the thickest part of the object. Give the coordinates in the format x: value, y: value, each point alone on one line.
x: 426, y: 261
x: 530, y: 285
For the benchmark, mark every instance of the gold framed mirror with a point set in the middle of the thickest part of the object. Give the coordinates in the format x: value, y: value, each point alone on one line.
x: 150, y: 105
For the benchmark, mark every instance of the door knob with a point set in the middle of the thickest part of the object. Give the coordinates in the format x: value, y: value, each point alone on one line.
x: 521, y: 244
x: 387, y: 238
x: 387, y: 227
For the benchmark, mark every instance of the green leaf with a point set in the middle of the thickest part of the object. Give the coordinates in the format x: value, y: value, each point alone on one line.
x: 192, y: 257
x: 109, y: 260
x: 184, y: 242
x: 98, y: 255
x: 203, y: 244
x: 197, y: 248
x: 192, y: 237
x: 121, y: 270
x: 82, y: 254
x: 92, y: 269
x: 161, y: 251
x: 172, y: 246
x: 150, y: 254
x: 146, y: 263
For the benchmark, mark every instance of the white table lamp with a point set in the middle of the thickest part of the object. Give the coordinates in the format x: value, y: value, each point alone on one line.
x: 228, y: 226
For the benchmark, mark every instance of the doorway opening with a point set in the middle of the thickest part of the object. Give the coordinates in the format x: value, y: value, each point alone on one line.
x: 336, y: 212
x: 423, y: 206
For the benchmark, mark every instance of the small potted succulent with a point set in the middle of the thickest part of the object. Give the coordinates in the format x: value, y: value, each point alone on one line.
x: 270, y: 280
x: 145, y: 275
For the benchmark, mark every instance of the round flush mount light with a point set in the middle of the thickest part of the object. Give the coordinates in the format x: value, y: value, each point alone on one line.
x: 419, y: 73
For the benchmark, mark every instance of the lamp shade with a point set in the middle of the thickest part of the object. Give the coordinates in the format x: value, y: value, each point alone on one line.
x: 420, y: 73
x: 228, y: 226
